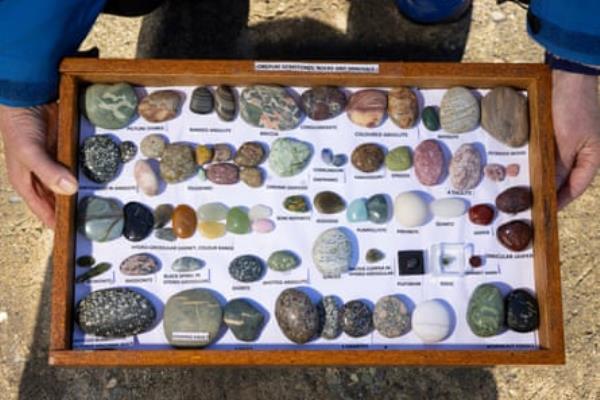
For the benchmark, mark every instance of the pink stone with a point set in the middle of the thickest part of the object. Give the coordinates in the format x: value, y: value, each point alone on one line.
x: 465, y: 167
x: 429, y: 162
x: 495, y: 172
x: 263, y: 225
x: 223, y: 173
x: 512, y: 170
x: 146, y: 178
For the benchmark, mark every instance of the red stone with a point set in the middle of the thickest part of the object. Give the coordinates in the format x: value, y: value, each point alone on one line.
x: 515, y: 235
x: 481, y: 214
x: 475, y: 261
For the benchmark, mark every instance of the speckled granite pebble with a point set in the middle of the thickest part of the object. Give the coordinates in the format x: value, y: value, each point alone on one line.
x: 391, y: 317
x: 357, y: 318
x: 100, y: 158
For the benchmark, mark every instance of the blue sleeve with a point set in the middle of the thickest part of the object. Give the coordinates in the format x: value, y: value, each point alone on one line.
x: 34, y: 36
x: 567, y: 29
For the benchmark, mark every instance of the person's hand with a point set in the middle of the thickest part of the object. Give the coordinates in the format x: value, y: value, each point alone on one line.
x: 576, y: 115
x: 29, y: 142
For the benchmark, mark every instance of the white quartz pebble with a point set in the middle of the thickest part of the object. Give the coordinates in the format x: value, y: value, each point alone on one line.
x: 146, y: 178
x: 410, y: 209
x: 448, y: 208
x: 431, y: 321
x: 260, y: 211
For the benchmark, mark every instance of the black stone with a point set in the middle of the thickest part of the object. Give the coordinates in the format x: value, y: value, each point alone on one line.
x: 85, y: 261
x: 128, y: 151
x: 100, y: 158
x: 139, y: 221
x: 202, y: 101
x: 411, y: 262
x: 357, y: 318
x: 93, y: 272
x: 247, y: 268
x: 522, y: 311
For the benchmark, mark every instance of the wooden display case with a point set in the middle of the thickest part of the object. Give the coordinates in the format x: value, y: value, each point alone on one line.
x: 535, y: 79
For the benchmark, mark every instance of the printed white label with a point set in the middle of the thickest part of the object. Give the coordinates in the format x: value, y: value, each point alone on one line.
x: 317, y: 67
x: 90, y: 340
x: 201, y: 337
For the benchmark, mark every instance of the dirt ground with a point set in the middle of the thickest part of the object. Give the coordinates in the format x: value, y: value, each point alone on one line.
x: 262, y: 28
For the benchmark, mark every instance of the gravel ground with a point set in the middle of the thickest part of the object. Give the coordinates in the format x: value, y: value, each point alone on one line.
x: 264, y: 28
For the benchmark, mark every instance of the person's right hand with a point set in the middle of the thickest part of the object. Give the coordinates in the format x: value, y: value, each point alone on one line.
x: 29, y: 141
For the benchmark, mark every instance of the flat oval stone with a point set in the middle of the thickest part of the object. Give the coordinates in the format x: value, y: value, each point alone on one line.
x: 494, y: 172
x: 238, y: 221
x: 118, y: 312
x: 288, y: 157
x: 448, y: 207
x: 93, y: 272
x: 225, y: 103
x: 374, y: 256
x: 432, y: 321
x: 211, y: 229
x: 204, y: 154
x: 165, y: 234
x: 485, y: 312
x: 367, y: 107
x: 357, y: 318
x: 145, y: 178
x: 515, y: 235
x: 263, y: 225
x: 357, y: 211
x: 184, y: 221
x: 403, y: 107
x: 391, y: 317
x: 153, y: 145
x: 333, y: 252
x: 323, y: 102
x: 514, y: 200
x: 429, y: 162
x: 100, y: 219
x: 252, y: 176
x: 378, y: 209
x: 283, y: 260
x: 177, y: 163
x: 202, y: 101
x: 110, y: 106
x: 223, y: 173
x: 212, y: 212
x: 505, y: 116
x: 368, y: 157
x: 522, y: 311
x: 328, y: 202
x: 187, y: 264
x: 296, y: 316
x: 398, y: 159
x: 162, y: 215
x: 481, y: 214
x: 410, y: 210
x: 459, y: 110
x: 296, y: 203
x: 246, y: 268
x: 85, y: 261
x: 244, y: 320
x: 331, y: 317
x: 430, y: 118
x: 260, y: 211
x: 192, y: 318
x: 465, y: 168
x: 270, y: 107
x: 128, y: 151
x: 222, y: 152
x: 250, y: 154
x: 139, y: 221
x: 100, y: 158
x: 139, y: 265
x: 160, y: 106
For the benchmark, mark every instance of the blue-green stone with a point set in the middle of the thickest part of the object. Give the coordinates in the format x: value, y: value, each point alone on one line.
x: 100, y: 219
x: 244, y: 320
x: 485, y: 312
x: 377, y: 207
x: 357, y: 211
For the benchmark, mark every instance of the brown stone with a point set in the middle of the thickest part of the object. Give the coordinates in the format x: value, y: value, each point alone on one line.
x: 367, y: 107
x: 250, y: 154
x: 368, y: 157
x: 514, y: 200
x: 252, y: 176
x: 160, y: 106
x: 222, y: 152
x: 403, y: 107
x: 515, y: 235
x: 481, y: 214
x: 223, y: 173
x: 504, y: 114
x: 184, y: 221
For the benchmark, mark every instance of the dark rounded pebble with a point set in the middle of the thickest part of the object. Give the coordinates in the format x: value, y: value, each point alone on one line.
x: 357, y: 318
x: 100, y: 158
x: 202, y: 101
x: 85, y: 261
x: 247, y: 268
x: 139, y: 221
x: 128, y: 151
x: 522, y: 311
x: 475, y: 261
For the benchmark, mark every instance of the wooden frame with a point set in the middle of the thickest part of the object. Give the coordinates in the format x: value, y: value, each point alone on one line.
x: 535, y: 79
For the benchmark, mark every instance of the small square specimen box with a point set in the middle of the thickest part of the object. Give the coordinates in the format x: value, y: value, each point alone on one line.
x: 69, y: 347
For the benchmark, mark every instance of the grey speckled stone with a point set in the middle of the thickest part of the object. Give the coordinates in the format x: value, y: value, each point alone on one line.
x: 283, y: 260
x: 177, y: 163
x: 331, y: 322
x: 357, y: 318
x: 100, y: 158
x: 333, y: 252
x: 100, y: 219
x: 244, y: 320
x: 246, y: 268
x: 187, y: 264
x: 128, y: 151
x: 297, y: 316
x: 118, y: 312
x: 139, y: 264
x: 391, y: 317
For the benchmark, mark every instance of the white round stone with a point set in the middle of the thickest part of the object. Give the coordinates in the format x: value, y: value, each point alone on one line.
x: 260, y: 211
x: 448, y: 208
x: 332, y: 252
x: 431, y: 321
x: 410, y: 209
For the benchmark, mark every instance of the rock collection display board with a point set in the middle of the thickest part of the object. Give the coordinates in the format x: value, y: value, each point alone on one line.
x: 457, y: 255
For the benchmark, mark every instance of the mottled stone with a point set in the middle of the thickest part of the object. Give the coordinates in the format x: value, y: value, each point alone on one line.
x: 145, y: 178
x: 323, y: 102
x: 465, y: 168
x: 485, y: 312
x: 139, y: 221
x: 391, y: 317
x: 160, y: 106
x: 128, y: 151
x: 162, y: 215
x: 513, y: 170
x: 515, y: 235
x: 187, y: 264
x: 244, y: 320
x: 429, y: 162
x: 222, y: 152
x: 430, y: 118
x: 270, y: 107
x: 225, y: 103
x: 410, y: 209
x: 238, y: 221
x: 166, y: 234
x: 374, y: 256
x: 432, y: 321
x: 263, y: 225
x: 212, y: 212
x: 204, y: 154
x: 118, y: 312
x: 357, y: 318
x: 85, y: 261
x: 250, y: 154
x: 192, y: 318
x: 398, y: 159
x: 296, y: 203
x: 451, y: 207
x: 378, y: 209
x: 459, y: 110
x: 333, y: 252
x: 252, y: 176
x: 288, y: 157
x: 330, y: 316
x: 223, y: 173
x: 283, y: 260
x: 522, y: 311
x: 153, y: 145
x: 177, y: 163
x: 138, y: 265
x: 357, y: 211
x: 494, y: 172
x: 110, y: 106
x: 505, y: 115
x: 403, y: 107
x: 93, y: 272
x: 368, y: 157
x: 260, y: 211
x: 202, y: 101
x: 481, y: 214
x: 184, y: 221
x: 246, y: 268
x: 514, y: 200
x: 100, y: 158
x: 296, y: 316
x: 328, y: 202
x: 367, y: 107
x: 211, y: 229
x: 100, y: 219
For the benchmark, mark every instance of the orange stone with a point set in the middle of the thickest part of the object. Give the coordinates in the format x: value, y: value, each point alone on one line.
x: 184, y: 221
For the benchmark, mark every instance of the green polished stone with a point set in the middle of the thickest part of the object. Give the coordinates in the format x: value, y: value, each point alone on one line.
x: 288, y: 157
x: 296, y: 203
x: 398, y: 159
x: 244, y: 320
x: 378, y: 209
x: 283, y: 260
x: 485, y: 312
x: 212, y: 212
x: 431, y: 119
x: 110, y: 106
x: 238, y: 221
x: 100, y: 219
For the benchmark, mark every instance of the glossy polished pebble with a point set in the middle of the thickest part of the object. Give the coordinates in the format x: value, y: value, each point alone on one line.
x: 459, y: 110
x: 160, y: 106
x: 357, y: 211
x: 250, y: 154
x: 432, y: 321
x: 378, y: 209
x: 514, y: 200
x: 85, y: 261
x: 515, y: 235
x: 391, y: 317
x: 202, y: 101
x: 139, y: 265
x: 187, y: 264
x: 244, y: 320
x: 398, y: 159
x: 410, y: 209
x: 485, y: 312
x: 333, y: 252
x: 403, y: 107
x: 110, y: 106
x: 465, y: 168
x: 177, y: 163
x: 252, y: 176
x: 323, y: 102
x: 100, y: 219
x: 296, y: 204
x: 494, y: 172
x: 367, y: 107
x: 96, y: 270
x: 522, y: 311
x: 339, y: 160
x: 247, y: 268
x: 238, y: 221
x: 100, y: 158
x: 430, y: 118
x: 374, y: 256
x: 368, y: 157
x: 357, y: 318
x: 184, y: 221
x: 222, y: 152
x: 225, y: 103
x: 260, y: 211
x: 162, y: 215
x: 288, y: 157
x: 331, y: 317
x: 165, y: 234
x: 139, y: 221
x: 145, y: 178
x: 211, y: 229
x: 223, y: 173
x: 297, y: 316
x: 204, y: 154
x: 481, y: 214
x: 153, y: 146
x: 448, y: 207
x: 263, y: 226
x: 128, y: 151
x: 328, y: 202
x: 327, y: 156
x: 270, y: 107
x: 283, y: 260
x: 212, y: 212
x: 429, y: 162
x: 505, y: 115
